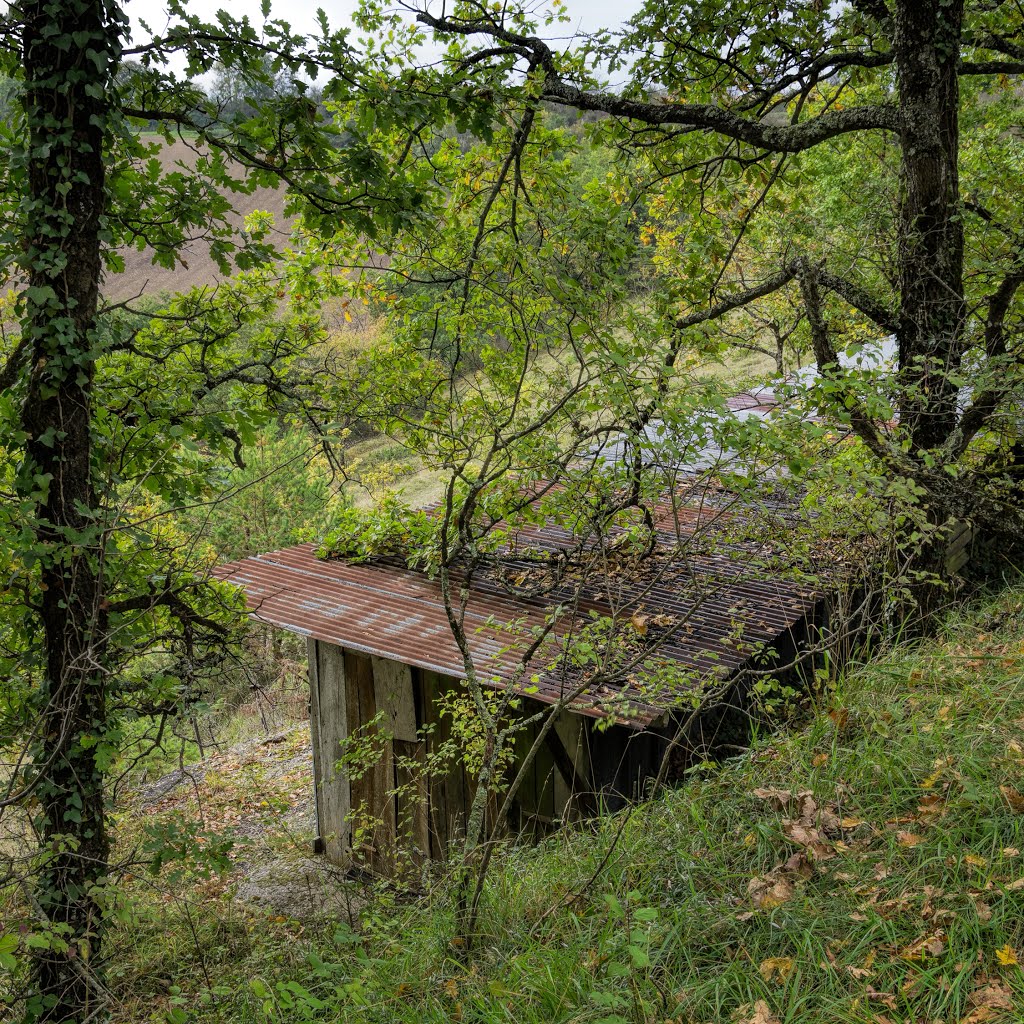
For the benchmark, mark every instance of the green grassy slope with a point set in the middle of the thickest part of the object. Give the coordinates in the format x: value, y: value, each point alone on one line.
x: 866, y: 868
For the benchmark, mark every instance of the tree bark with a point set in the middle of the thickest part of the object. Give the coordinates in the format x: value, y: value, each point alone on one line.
x: 926, y: 41
x: 67, y: 81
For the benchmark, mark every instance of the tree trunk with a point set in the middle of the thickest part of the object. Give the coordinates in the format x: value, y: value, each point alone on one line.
x: 67, y: 80
x: 927, y: 50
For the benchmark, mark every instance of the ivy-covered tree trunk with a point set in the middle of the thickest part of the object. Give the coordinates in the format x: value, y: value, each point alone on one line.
x: 69, y: 50
x: 926, y: 41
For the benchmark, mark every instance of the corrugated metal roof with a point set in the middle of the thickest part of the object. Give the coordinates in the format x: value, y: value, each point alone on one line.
x: 708, y: 602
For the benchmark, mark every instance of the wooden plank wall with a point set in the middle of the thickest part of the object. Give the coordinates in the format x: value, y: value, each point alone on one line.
x: 402, y: 813
x: 329, y: 729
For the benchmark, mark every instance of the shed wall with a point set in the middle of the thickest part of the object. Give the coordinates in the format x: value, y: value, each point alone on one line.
x: 403, y: 801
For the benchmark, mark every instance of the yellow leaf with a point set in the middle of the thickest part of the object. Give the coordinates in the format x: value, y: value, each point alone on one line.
x: 1006, y: 956
x: 777, y: 967
x: 975, y: 861
x: 908, y: 839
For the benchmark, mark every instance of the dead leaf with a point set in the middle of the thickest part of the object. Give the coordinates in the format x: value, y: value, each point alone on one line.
x: 766, y: 893
x: 886, y: 998
x: 1014, y: 798
x: 908, y: 839
x: 975, y: 861
x: 1016, y: 886
x: 810, y: 839
x: 930, y: 945
x: 777, y: 799
x: 994, y: 994
x: 808, y: 808
x: 984, y: 910
x: 1011, y: 851
x: 758, y: 1013
x: 799, y: 865
x: 639, y: 623
x: 819, y: 760
x: 840, y: 717
x: 777, y: 968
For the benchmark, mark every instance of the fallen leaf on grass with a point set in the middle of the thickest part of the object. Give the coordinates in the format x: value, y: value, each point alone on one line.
x: 840, y: 717
x: 975, y: 861
x: 886, y: 998
x: 810, y: 839
x: 1006, y: 956
x: 758, y: 1013
x: 766, y: 892
x: 994, y: 994
x: 1014, y: 798
x: 780, y: 799
x: 990, y: 1001
x: 930, y: 945
x: 777, y: 967
x: 799, y: 865
x: 908, y: 839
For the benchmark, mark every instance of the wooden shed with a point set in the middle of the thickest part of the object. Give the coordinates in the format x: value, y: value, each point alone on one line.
x: 383, y: 665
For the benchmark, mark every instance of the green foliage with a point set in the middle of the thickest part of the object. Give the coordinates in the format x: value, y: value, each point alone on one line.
x: 389, y: 529
x: 283, y: 495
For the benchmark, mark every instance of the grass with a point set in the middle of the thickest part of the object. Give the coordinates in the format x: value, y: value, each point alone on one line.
x: 867, y: 867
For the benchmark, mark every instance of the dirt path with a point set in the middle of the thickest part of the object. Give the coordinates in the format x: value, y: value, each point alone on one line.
x: 260, y: 794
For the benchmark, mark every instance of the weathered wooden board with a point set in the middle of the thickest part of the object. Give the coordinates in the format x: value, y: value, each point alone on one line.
x: 412, y: 803
x: 314, y: 735
x: 373, y: 798
x: 330, y: 717
x: 392, y: 685
x: 572, y: 786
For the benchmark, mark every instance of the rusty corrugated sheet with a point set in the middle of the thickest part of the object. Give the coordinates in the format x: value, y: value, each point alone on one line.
x: 716, y: 602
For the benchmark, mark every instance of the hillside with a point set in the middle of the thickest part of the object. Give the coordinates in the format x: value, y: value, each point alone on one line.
x: 141, y: 277
x: 865, y: 866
